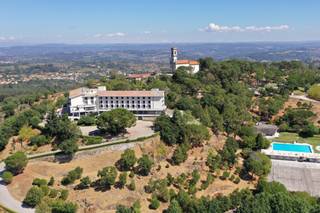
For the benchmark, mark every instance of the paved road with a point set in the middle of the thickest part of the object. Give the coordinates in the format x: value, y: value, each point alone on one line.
x: 297, y: 176
x: 7, y: 200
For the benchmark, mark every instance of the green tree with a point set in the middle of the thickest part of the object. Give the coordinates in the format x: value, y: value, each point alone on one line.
x: 7, y: 177
x: 84, y: 183
x: 60, y: 206
x: 180, y: 154
x: 16, y: 163
x: 258, y: 164
x: 196, y: 134
x: 122, y: 180
x: 127, y: 160
x: 174, y: 207
x: 34, y: 196
x: 144, y: 165
x: 154, y: 202
x: 107, y: 176
x: 115, y: 121
x: 69, y: 147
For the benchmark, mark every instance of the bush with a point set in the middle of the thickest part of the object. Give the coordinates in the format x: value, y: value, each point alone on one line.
x: 34, y: 196
x: 16, y: 163
x: 180, y: 154
x: 132, y: 185
x: 90, y: 140
x: 39, y: 182
x: 39, y: 140
x: 225, y: 175
x: 53, y: 193
x: 51, y: 181
x: 87, y: 120
x: 64, y: 193
x: 154, y: 202
x: 144, y: 165
x: 122, y: 180
x: 7, y: 177
x: 72, y: 176
x: 231, y: 178
x: 84, y: 183
x: 127, y: 160
x: 60, y: 206
x: 314, y: 92
x: 237, y: 180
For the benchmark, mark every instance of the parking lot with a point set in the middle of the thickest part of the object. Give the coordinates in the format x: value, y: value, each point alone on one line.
x: 297, y: 176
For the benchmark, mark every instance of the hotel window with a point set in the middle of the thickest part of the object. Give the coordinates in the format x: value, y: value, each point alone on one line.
x: 144, y: 98
x: 144, y: 102
x: 149, y: 106
x: 111, y: 106
x: 116, y: 97
x: 132, y: 106
x: 127, y: 102
x: 149, y: 98
x: 112, y: 102
x: 101, y: 106
x: 143, y: 106
x: 132, y: 102
x: 111, y: 97
x: 149, y: 102
x: 122, y: 97
x: 138, y: 102
x: 122, y: 106
x: 138, y: 106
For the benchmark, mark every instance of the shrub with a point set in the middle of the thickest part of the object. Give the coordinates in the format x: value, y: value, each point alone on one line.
x: 180, y: 154
x: 34, y: 196
x: 72, y: 176
x: 90, y: 140
x: 236, y: 180
x: 87, y: 120
x: 51, y: 181
x: 144, y: 165
x: 154, y: 202
x: 39, y: 182
x: 127, y: 160
x: 225, y: 175
x: 84, y: 183
x: 16, y: 163
x: 314, y: 92
x: 60, y: 206
x: 7, y: 177
x: 132, y: 185
x: 39, y: 140
x: 232, y: 177
x: 53, y: 193
x: 64, y: 193
x: 122, y: 180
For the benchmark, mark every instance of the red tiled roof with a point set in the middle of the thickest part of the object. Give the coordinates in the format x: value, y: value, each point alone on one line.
x: 190, y: 62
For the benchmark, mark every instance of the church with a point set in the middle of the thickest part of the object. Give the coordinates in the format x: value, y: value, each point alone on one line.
x: 175, y: 63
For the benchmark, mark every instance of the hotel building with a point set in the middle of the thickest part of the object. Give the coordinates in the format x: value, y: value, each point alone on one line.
x: 144, y: 104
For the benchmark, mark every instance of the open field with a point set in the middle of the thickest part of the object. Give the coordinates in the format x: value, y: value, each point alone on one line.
x: 297, y: 176
x: 90, y: 200
x: 289, y: 137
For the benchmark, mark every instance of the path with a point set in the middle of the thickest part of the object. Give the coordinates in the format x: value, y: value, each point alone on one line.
x: 303, y: 97
x: 7, y: 200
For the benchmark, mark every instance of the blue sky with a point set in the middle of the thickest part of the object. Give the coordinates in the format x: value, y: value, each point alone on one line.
x: 150, y: 21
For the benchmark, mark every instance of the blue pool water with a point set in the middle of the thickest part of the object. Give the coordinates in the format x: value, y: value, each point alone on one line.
x: 288, y: 147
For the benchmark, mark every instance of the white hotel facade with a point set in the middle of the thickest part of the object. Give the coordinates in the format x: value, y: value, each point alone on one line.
x: 144, y: 104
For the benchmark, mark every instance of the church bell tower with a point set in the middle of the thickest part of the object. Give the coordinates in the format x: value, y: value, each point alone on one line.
x: 174, y: 58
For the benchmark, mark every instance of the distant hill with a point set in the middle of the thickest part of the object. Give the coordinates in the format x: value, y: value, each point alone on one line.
x: 268, y: 51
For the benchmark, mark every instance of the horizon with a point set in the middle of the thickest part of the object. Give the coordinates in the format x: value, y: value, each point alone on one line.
x: 126, y: 22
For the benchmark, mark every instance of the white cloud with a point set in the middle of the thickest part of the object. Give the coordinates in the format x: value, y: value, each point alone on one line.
x: 8, y: 38
x: 98, y: 35
x: 212, y: 27
x: 118, y: 34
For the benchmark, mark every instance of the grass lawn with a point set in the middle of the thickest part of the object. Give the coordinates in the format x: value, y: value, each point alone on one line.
x: 289, y: 137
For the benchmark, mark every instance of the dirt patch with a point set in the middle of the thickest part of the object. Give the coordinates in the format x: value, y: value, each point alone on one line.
x: 90, y: 200
x: 292, y: 103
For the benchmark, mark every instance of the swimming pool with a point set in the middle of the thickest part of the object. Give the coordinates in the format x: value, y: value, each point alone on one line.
x: 289, y: 147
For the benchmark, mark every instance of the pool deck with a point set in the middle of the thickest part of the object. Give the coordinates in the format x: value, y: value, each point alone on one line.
x: 297, y: 176
x: 292, y: 156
